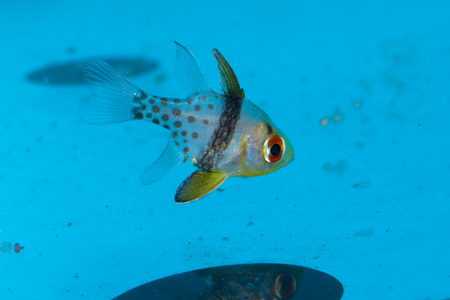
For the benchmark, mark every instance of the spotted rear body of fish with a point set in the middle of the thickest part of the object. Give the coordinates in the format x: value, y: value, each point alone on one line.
x: 191, y: 121
x: 223, y: 134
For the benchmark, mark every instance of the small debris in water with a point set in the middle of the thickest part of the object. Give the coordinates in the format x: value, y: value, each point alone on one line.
x: 362, y: 185
x: 366, y: 232
x: 333, y: 118
x: 7, y: 247
x: 339, y: 166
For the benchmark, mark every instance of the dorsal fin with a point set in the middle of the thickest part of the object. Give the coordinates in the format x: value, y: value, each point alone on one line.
x: 189, y: 73
x: 230, y: 83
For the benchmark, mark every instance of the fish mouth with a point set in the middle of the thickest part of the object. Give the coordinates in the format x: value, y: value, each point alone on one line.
x: 291, y: 159
x: 289, y: 153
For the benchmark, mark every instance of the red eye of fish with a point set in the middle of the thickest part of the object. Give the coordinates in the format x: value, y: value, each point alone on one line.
x: 273, y: 149
x: 285, y: 286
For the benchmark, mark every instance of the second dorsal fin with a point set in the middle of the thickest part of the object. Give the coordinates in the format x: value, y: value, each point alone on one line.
x: 230, y: 83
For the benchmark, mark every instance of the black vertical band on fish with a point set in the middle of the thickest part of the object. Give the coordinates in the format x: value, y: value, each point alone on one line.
x: 223, y: 134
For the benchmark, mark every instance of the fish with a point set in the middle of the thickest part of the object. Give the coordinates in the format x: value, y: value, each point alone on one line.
x: 222, y: 134
x: 258, y: 281
x: 71, y: 72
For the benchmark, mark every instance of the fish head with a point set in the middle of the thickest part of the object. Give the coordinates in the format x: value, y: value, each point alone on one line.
x: 264, y: 147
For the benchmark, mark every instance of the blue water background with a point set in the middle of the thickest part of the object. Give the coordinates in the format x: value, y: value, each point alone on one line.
x: 367, y: 198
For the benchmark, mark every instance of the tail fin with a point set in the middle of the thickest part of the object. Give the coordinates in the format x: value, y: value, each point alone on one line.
x: 115, y: 97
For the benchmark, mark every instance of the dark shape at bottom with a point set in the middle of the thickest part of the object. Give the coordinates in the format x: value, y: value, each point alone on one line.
x: 239, y: 282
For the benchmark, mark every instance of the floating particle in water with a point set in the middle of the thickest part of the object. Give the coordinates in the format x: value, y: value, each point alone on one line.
x: 17, y: 247
x: 365, y: 232
x: 7, y: 247
x: 333, y: 118
x: 357, y: 104
x: 71, y: 50
x: 359, y: 144
x: 339, y: 166
x: 362, y: 185
x: 160, y: 78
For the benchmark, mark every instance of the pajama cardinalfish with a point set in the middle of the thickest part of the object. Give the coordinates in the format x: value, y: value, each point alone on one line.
x: 223, y: 134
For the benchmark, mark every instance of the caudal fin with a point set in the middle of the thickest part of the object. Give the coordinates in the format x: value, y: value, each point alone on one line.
x: 115, y: 98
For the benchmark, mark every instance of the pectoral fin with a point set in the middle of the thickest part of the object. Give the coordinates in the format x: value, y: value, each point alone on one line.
x: 199, y: 184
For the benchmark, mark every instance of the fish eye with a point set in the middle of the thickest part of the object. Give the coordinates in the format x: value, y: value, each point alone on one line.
x: 273, y: 149
x: 285, y: 286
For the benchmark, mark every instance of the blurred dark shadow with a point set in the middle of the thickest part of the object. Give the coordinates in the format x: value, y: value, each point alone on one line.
x: 71, y: 72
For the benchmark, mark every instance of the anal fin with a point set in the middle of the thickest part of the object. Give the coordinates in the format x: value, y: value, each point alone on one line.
x: 199, y: 184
